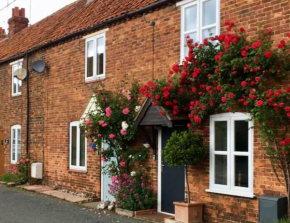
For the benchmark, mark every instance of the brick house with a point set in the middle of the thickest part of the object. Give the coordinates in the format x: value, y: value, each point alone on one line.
x: 95, y: 41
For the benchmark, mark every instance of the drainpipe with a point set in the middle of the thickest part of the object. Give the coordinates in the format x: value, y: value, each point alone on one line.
x: 27, y: 106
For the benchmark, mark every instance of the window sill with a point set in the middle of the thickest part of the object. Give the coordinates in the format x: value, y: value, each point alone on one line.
x: 16, y: 95
x: 231, y: 193
x: 77, y: 171
x: 95, y: 80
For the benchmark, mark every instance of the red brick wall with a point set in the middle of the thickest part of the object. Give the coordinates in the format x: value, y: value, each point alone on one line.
x: 60, y: 96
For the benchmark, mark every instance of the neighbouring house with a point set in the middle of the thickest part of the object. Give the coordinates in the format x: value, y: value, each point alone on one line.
x: 93, y: 41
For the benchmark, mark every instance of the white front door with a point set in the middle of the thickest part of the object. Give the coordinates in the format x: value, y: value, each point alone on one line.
x: 106, y: 180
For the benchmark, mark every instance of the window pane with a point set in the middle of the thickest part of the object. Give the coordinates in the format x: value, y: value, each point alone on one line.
x: 15, y: 85
x: 74, y: 146
x: 90, y: 58
x: 220, y: 136
x: 18, y: 143
x: 190, y: 18
x: 241, y: 136
x: 13, y: 144
x: 220, y: 169
x: 83, y: 149
x: 100, y: 56
x: 191, y: 36
x: 19, y: 85
x: 206, y: 33
x: 209, y: 12
x: 241, y: 171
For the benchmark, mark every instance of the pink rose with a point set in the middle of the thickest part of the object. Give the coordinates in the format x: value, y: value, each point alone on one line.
x: 104, y: 125
x: 108, y: 112
x: 101, y: 122
x: 91, y: 149
x: 111, y: 136
x: 88, y: 122
x: 126, y: 111
x: 114, y: 178
x: 128, y: 97
x: 103, y: 159
x: 123, y: 132
x: 99, y: 135
x: 122, y: 164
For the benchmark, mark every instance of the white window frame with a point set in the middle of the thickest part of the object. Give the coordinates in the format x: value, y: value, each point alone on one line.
x: 188, y: 3
x: 230, y: 188
x: 77, y: 166
x: 16, y: 128
x: 94, y: 39
x: 16, y: 64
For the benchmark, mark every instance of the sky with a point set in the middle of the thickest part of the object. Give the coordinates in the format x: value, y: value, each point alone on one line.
x: 39, y: 9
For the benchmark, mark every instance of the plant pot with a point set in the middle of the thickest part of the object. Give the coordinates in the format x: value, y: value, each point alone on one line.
x: 188, y: 213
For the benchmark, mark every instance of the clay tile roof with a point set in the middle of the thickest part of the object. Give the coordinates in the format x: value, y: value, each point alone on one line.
x: 77, y: 16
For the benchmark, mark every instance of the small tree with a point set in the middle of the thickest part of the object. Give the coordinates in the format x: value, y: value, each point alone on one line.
x: 184, y: 148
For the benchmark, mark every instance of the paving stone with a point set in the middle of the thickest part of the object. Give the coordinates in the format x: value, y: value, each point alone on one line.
x: 92, y: 205
x: 65, y: 196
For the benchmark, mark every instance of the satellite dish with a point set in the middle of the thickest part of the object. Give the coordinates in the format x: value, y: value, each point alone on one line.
x: 21, y: 74
x: 38, y: 66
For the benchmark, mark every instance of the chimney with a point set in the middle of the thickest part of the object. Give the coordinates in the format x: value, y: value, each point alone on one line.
x: 17, y: 22
x: 2, y: 34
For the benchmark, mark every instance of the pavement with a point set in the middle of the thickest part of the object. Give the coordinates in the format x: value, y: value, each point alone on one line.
x: 20, y: 206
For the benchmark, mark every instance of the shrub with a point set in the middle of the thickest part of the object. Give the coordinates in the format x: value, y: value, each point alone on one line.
x: 133, y: 193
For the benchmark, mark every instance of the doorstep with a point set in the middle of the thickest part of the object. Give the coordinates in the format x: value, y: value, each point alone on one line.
x: 153, y: 217
x: 54, y: 193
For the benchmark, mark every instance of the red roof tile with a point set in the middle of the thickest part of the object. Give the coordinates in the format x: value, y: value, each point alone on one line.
x: 68, y: 20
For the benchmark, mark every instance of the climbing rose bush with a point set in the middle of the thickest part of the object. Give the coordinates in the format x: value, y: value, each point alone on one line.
x: 112, y: 123
x: 230, y: 73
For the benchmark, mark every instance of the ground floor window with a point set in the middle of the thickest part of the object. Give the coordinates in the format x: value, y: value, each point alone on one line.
x: 15, y: 143
x: 78, y: 147
x: 231, y: 154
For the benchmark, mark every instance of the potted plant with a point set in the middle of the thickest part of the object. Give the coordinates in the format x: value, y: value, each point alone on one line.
x: 185, y: 148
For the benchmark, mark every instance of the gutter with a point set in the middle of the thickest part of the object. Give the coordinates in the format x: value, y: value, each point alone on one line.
x: 97, y: 26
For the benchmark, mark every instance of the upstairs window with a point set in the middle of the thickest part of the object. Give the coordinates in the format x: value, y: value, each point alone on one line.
x: 200, y: 19
x: 15, y: 143
x: 16, y: 83
x: 78, y: 147
x: 231, y: 154
x: 95, y: 57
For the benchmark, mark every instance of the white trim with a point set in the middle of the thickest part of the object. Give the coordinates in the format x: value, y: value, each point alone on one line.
x: 16, y: 128
x: 95, y: 76
x: 184, y: 2
x: 16, y: 62
x: 96, y: 33
x: 230, y: 187
x: 77, y: 166
x: 229, y: 192
x: 159, y: 169
x: 199, y: 4
x: 17, y: 65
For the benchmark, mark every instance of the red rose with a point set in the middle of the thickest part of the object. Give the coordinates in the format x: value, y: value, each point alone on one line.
x: 206, y: 130
x: 288, y: 35
x: 244, y: 84
x: 287, y: 108
x: 197, y: 119
x: 229, y: 109
x: 268, y: 54
x: 281, y: 105
x: 235, y: 72
x: 242, y: 29
x: 188, y: 125
x: 245, y: 103
x: 244, y: 53
x: 224, y: 99
x: 260, y: 103
x: 193, y: 89
x: 231, y: 95
x: 257, y: 79
x: 161, y: 113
